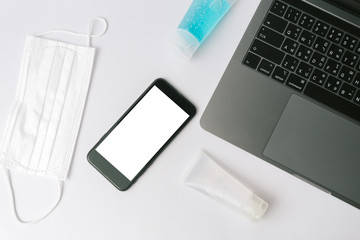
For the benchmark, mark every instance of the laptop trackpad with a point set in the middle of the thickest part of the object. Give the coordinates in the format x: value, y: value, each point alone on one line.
x: 319, y: 145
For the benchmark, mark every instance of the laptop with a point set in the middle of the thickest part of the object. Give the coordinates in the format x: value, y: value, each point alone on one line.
x: 291, y: 93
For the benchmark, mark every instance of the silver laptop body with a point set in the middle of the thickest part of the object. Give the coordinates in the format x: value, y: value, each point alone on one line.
x: 282, y: 114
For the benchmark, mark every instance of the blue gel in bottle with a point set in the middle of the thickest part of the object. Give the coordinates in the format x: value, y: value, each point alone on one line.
x: 202, y: 17
x: 198, y: 22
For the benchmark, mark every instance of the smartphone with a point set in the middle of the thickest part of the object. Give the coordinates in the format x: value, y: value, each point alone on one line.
x: 138, y: 137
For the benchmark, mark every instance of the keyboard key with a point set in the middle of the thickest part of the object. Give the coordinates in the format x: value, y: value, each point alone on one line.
x: 321, y: 45
x: 296, y: 82
x: 335, y: 35
x: 332, y: 67
x: 318, y: 77
x: 293, y: 31
x: 349, y: 42
x: 347, y: 91
x: 333, y: 84
x: 304, y: 53
x: 266, y: 51
x: 350, y: 59
x: 307, y: 38
x: 290, y: 63
x: 357, y: 49
x: 292, y: 15
x: 334, y: 101
x: 356, y: 82
x: 280, y: 74
x: 357, y: 98
x: 275, y: 23
x: 306, y: 21
x: 347, y: 74
x: 321, y: 28
x: 335, y: 52
x: 278, y: 8
x: 318, y: 60
x: 289, y: 46
x: 251, y: 60
x: 304, y: 70
x: 270, y: 36
x: 266, y: 67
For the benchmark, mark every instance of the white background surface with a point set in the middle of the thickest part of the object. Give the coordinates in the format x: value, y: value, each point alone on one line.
x: 129, y: 57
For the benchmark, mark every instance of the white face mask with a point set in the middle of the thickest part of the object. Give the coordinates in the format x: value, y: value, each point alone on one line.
x: 42, y: 129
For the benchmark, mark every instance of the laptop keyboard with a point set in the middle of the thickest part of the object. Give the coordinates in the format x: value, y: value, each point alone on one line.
x: 310, y: 51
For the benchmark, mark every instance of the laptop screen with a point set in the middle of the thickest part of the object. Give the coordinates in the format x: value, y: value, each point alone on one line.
x: 352, y: 6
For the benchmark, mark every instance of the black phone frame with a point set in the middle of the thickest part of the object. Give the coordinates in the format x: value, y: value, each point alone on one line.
x: 107, y: 169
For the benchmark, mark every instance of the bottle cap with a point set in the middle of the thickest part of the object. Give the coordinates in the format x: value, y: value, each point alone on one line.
x: 255, y: 208
x: 183, y: 44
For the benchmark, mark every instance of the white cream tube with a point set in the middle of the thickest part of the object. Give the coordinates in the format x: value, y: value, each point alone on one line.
x: 209, y: 178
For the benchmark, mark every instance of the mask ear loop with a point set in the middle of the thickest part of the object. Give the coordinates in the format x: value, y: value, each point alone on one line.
x: 89, y: 35
x: 61, y: 188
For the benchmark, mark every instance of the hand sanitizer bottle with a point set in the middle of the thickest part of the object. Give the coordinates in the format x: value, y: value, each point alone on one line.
x: 198, y: 22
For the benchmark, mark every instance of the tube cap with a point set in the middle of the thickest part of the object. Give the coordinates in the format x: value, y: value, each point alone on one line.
x: 255, y: 208
x: 183, y: 44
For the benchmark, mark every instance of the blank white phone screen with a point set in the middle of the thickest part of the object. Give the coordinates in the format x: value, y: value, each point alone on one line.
x: 142, y: 132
